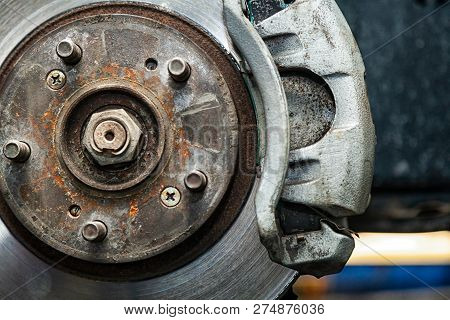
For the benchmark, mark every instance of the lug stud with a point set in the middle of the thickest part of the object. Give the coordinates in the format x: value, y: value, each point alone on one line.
x: 17, y: 151
x: 179, y: 70
x: 94, y: 231
x: 195, y: 181
x: 69, y: 51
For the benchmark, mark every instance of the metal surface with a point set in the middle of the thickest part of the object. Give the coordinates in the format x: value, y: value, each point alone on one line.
x: 173, y: 142
x: 179, y: 69
x: 333, y: 174
x: 275, y: 128
x: 94, y: 231
x: 170, y: 197
x: 143, y: 216
x: 331, y: 162
x: 209, y: 276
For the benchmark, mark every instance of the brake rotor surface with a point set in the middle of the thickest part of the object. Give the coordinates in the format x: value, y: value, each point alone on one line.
x: 180, y: 170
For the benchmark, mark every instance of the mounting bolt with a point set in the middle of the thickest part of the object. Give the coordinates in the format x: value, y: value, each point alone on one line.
x: 69, y: 51
x: 56, y: 79
x: 170, y: 197
x: 179, y: 70
x: 17, y: 151
x: 195, y: 181
x: 94, y: 231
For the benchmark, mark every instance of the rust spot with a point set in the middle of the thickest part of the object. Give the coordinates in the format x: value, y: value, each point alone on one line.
x: 134, y: 209
x: 48, y: 120
x: 181, y: 146
x: 132, y: 74
x: 111, y: 69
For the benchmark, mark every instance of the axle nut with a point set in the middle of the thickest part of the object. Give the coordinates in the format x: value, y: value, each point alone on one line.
x: 69, y: 51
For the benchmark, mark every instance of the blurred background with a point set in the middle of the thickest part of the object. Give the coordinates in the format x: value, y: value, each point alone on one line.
x: 404, y: 246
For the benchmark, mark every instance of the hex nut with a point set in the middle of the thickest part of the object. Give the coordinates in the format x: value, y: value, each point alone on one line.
x: 112, y: 137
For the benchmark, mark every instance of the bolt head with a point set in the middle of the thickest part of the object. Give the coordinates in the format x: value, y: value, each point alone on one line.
x: 94, y: 231
x: 179, y: 70
x: 112, y: 137
x: 170, y: 197
x: 17, y: 151
x: 74, y: 211
x: 195, y: 181
x: 56, y: 79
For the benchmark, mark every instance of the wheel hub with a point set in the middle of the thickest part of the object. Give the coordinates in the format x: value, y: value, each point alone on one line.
x: 128, y: 159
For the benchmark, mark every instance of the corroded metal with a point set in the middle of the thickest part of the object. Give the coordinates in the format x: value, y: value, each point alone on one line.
x: 164, y: 129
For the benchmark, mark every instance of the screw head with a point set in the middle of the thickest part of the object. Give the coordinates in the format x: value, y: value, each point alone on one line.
x: 56, y: 79
x: 17, y: 151
x: 170, y: 197
x: 69, y: 51
x: 94, y: 231
x: 196, y: 181
x: 179, y: 70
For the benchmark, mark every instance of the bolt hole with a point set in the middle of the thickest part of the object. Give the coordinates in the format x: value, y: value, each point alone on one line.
x: 151, y: 64
x: 109, y: 136
x: 74, y: 211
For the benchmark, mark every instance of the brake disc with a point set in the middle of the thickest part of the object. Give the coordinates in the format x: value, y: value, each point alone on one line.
x: 146, y: 146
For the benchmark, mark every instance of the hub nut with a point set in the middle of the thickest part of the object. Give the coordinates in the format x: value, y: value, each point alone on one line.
x: 195, y: 181
x: 112, y: 137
